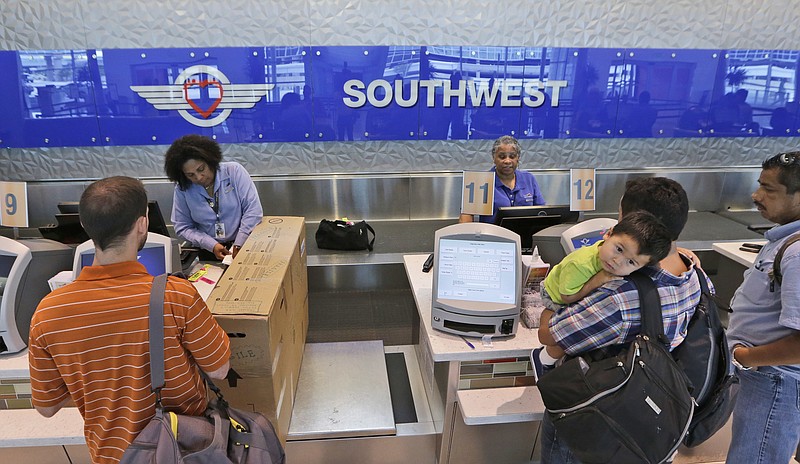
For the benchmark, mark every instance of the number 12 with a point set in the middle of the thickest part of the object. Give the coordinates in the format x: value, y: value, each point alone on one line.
x: 589, y: 189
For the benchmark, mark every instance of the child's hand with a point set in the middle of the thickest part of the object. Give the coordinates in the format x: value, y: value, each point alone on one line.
x: 604, y: 277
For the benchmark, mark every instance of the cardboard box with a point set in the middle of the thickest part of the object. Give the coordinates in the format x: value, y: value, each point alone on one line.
x: 262, y: 303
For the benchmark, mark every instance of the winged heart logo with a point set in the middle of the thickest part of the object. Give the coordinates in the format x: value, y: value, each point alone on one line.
x: 202, y: 84
x: 186, y: 95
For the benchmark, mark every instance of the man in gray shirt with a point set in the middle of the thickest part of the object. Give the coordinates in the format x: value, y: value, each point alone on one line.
x: 764, y: 331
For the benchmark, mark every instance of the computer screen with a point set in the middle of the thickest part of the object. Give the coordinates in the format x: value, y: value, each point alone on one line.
x: 159, y: 255
x: 157, y: 223
x: 5, y: 266
x: 527, y: 220
x: 477, y: 270
x: 477, y: 274
x: 585, y: 233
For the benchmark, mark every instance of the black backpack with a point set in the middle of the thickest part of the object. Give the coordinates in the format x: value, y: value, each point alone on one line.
x: 704, y: 357
x: 622, y: 404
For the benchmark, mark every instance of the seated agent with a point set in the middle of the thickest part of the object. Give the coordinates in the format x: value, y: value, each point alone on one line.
x: 638, y: 240
x: 611, y: 314
x: 215, y: 205
x: 512, y: 187
x: 89, y: 341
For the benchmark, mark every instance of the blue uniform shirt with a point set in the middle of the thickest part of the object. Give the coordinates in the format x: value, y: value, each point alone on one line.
x: 525, y: 193
x: 760, y: 316
x: 239, y: 209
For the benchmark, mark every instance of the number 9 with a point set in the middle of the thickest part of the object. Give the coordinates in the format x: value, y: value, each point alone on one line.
x: 11, y: 204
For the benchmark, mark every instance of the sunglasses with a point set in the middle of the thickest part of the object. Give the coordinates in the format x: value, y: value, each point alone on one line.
x: 789, y: 158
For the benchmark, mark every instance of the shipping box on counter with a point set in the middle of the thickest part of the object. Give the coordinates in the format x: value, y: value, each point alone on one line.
x: 262, y: 304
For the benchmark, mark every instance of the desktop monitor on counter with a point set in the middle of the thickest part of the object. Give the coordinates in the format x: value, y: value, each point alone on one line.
x: 476, y: 280
x: 527, y: 220
x: 160, y: 254
x: 155, y: 219
x: 25, y: 267
x: 585, y: 233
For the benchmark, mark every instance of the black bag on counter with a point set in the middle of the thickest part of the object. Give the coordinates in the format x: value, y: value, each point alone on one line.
x: 344, y: 235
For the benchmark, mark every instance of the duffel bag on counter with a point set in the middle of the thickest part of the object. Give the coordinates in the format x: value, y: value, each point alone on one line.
x: 344, y: 235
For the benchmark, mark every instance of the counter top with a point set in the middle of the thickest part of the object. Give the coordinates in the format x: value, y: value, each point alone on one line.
x: 14, y: 366
x: 449, y: 347
x: 731, y: 250
x: 26, y: 427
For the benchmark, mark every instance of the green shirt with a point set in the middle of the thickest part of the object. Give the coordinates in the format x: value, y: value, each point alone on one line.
x: 568, y: 276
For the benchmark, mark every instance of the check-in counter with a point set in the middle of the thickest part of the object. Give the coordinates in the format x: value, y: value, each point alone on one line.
x: 490, y: 387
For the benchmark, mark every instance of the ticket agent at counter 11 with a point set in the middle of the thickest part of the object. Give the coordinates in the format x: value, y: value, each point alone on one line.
x: 477, y: 280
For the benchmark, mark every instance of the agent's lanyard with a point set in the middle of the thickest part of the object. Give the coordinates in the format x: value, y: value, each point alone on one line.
x: 214, y: 204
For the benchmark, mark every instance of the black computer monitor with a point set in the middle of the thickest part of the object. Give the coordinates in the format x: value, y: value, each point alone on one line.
x: 527, y: 220
x: 157, y: 223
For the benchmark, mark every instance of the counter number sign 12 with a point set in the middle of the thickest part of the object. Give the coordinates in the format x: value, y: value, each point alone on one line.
x: 478, y: 194
x: 582, y: 189
x: 14, y: 212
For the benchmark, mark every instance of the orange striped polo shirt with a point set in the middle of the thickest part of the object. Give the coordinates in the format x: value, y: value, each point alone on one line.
x: 89, y: 340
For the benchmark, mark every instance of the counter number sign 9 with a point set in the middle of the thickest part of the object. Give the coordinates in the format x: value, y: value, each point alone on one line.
x: 14, y: 211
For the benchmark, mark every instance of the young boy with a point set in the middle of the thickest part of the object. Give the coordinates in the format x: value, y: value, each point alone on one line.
x: 639, y: 239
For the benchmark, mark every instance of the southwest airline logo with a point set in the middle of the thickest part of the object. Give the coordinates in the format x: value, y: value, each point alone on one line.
x: 200, y: 91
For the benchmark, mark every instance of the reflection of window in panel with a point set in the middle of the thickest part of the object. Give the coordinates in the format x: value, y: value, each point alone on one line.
x: 285, y: 68
x: 621, y: 79
x: 767, y: 75
x: 56, y: 83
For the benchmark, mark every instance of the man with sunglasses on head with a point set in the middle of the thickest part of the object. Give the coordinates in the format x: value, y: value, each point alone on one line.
x: 764, y: 329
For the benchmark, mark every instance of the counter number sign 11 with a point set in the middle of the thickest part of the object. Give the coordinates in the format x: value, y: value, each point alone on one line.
x: 478, y: 194
x: 14, y: 212
x: 582, y: 189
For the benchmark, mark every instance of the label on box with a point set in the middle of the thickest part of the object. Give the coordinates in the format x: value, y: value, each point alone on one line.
x: 237, y: 307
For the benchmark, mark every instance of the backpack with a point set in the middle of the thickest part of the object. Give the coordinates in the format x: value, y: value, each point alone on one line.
x: 705, y: 359
x: 775, y: 274
x: 626, y: 403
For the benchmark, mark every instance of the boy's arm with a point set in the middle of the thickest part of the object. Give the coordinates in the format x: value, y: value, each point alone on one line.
x: 595, y: 282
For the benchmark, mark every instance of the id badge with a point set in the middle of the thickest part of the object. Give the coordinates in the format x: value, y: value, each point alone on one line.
x: 219, y: 230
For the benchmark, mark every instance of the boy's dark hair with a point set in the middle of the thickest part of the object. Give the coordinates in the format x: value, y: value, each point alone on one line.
x: 663, y: 198
x: 110, y: 207
x: 651, y: 235
x: 788, y: 166
x: 188, y: 147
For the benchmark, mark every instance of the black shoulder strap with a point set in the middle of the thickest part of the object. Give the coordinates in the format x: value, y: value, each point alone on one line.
x: 776, y: 274
x: 650, y: 306
x: 701, y: 278
x: 156, y: 332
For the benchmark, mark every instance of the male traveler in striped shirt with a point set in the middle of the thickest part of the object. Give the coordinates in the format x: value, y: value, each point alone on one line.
x: 89, y: 340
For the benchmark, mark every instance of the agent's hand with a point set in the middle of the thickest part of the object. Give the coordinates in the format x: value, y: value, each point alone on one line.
x: 235, y: 250
x: 220, y: 251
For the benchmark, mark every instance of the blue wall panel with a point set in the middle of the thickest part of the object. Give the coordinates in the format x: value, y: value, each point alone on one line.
x: 359, y: 93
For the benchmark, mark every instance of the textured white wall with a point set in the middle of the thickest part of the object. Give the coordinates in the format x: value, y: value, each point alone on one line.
x: 51, y: 24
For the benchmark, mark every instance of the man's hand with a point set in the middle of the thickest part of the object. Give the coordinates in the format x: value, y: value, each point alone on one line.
x: 220, y: 251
